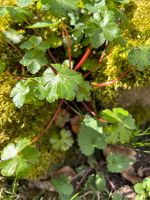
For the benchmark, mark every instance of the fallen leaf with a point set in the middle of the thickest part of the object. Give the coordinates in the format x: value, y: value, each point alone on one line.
x: 75, y: 124
x: 118, y: 149
x: 66, y: 170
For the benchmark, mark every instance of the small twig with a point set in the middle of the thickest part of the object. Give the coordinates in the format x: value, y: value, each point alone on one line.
x: 75, y: 111
x: 38, y: 137
x: 16, y: 48
x: 111, y: 183
x: 89, y: 110
x: 111, y: 82
x: 84, y: 58
x: 86, y: 194
x: 89, y: 171
x: 69, y: 44
x: 93, y: 113
x: 33, y: 28
x: 54, y: 70
x: 51, y: 56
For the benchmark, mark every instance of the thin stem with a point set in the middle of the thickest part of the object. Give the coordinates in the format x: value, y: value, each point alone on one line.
x: 102, y: 57
x: 88, y: 172
x: 33, y: 28
x: 75, y: 111
x: 84, y: 58
x: 14, y: 187
x: 38, y: 137
x: 51, y: 56
x: 54, y: 70
x: 111, y: 82
x: 93, y: 113
x: 16, y: 48
x: 69, y: 44
x: 89, y: 109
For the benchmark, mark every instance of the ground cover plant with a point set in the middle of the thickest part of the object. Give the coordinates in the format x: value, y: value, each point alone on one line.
x: 57, y: 51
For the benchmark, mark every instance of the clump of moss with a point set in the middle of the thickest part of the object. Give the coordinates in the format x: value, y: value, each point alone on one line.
x: 9, y: 56
x: 116, y: 63
x: 27, y: 121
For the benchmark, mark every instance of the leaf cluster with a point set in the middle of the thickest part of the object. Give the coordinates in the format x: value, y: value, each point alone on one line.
x: 18, y: 159
x: 56, y: 82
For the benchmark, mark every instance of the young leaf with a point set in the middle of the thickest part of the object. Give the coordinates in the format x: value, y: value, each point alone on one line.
x: 36, y: 42
x: 121, y: 126
x: 62, y: 142
x: 54, y: 40
x: 62, y: 185
x: 89, y: 139
x: 17, y: 159
x: 116, y: 163
x: 99, y: 29
x: 91, y: 135
x: 140, y: 57
x: 34, y: 60
x: 31, y: 43
x: 20, y: 14
x: 43, y: 24
x: 84, y: 92
x: 64, y: 84
x: 100, y: 182
x: 19, y: 93
x: 13, y: 36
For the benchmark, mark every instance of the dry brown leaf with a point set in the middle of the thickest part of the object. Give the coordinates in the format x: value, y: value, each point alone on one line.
x: 127, y: 174
x: 118, y: 149
x: 75, y: 124
x: 127, y: 191
x: 66, y: 170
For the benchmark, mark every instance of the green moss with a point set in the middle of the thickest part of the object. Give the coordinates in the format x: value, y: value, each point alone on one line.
x: 115, y: 64
x: 8, y: 55
x: 27, y: 121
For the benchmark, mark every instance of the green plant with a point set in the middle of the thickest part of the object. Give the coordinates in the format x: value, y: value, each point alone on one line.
x: 63, y: 187
x: 143, y: 189
x: 54, y: 40
x: 18, y: 159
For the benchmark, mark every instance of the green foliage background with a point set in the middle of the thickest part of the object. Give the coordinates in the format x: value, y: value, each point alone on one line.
x: 138, y: 17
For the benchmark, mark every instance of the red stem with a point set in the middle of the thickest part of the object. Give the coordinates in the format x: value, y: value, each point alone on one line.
x: 89, y: 109
x: 102, y: 57
x: 69, y: 45
x: 38, y: 137
x: 111, y: 82
x: 84, y: 58
x: 92, y: 112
